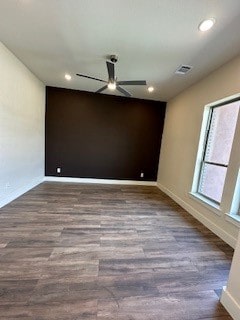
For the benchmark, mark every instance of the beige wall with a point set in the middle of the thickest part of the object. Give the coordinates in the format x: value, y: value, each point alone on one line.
x: 180, y: 144
x: 231, y: 294
x: 22, y: 116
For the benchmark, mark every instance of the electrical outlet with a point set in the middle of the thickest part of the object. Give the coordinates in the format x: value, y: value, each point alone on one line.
x: 58, y: 170
x: 142, y: 175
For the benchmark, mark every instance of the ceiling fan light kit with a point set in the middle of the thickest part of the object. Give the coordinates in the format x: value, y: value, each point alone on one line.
x: 112, y: 82
x: 112, y: 85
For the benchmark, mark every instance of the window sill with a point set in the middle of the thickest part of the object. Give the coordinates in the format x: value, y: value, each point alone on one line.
x: 233, y: 218
x: 206, y: 203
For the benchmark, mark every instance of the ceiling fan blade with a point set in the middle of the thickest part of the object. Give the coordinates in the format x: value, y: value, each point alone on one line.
x: 111, y: 71
x: 133, y: 83
x: 101, y: 89
x: 88, y: 77
x: 125, y: 92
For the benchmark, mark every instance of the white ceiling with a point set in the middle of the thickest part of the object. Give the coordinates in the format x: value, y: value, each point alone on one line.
x: 151, y: 37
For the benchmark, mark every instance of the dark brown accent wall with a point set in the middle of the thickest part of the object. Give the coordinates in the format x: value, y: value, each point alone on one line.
x: 93, y: 135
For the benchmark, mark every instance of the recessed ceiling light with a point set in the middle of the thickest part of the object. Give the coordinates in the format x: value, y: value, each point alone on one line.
x: 68, y: 77
x: 206, y: 25
x: 112, y: 85
x: 150, y: 89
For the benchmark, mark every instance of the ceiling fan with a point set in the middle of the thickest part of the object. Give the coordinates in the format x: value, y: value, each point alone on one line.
x: 112, y: 82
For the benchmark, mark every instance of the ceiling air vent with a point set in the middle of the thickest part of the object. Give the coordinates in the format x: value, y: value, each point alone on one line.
x: 183, y: 69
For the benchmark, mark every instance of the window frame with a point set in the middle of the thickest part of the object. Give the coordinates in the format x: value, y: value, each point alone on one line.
x: 201, y: 151
x: 205, y: 145
x: 235, y: 207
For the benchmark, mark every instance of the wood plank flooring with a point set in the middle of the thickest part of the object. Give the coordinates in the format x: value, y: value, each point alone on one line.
x: 101, y: 252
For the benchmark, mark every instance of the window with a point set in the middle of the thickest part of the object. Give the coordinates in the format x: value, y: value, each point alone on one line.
x: 216, y: 149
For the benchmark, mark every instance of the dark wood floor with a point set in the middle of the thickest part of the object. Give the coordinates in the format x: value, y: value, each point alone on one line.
x: 70, y: 251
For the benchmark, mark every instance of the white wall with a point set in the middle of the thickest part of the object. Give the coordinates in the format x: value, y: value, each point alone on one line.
x: 231, y: 294
x: 180, y: 144
x: 22, y: 116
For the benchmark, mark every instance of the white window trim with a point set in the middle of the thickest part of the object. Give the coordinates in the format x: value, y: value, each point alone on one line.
x: 235, y: 207
x: 211, y: 205
x: 200, y: 150
x: 233, y: 218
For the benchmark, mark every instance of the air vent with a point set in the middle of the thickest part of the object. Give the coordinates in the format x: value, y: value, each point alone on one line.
x: 183, y: 69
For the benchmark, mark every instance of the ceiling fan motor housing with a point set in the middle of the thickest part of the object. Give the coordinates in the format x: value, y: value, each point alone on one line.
x: 114, y: 58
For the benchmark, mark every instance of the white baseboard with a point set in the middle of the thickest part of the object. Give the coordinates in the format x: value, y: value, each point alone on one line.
x: 230, y: 304
x: 20, y: 191
x: 100, y: 181
x: 228, y: 238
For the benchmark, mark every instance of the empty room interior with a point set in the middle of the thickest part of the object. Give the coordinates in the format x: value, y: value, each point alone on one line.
x: 119, y: 160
